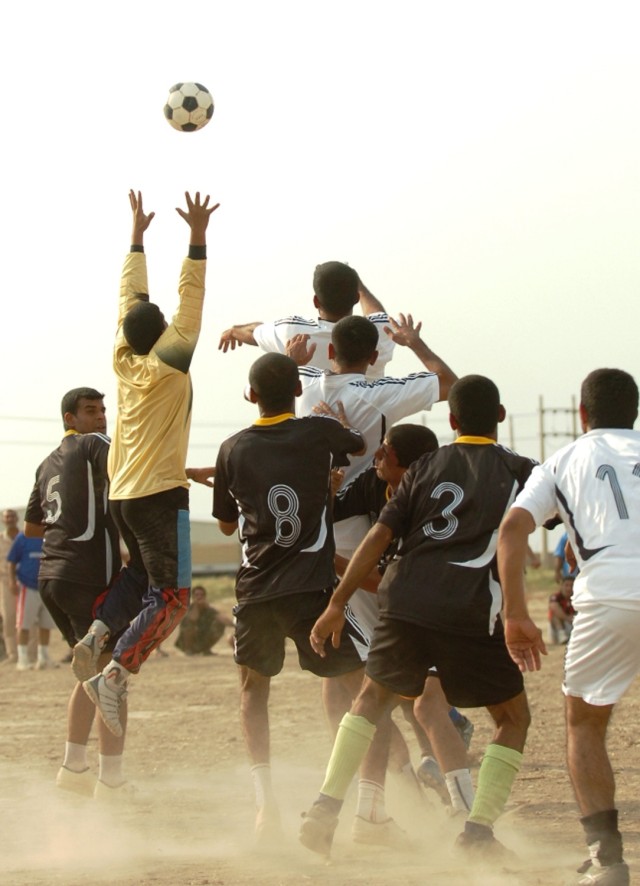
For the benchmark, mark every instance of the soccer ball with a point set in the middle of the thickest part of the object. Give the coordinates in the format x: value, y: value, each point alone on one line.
x: 189, y: 106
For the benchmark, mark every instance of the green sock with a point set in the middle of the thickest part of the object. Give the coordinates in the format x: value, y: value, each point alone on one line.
x: 351, y: 744
x: 498, y: 770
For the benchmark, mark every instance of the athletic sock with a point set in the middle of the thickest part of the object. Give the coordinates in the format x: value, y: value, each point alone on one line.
x: 352, y: 743
x: 261, y: 774
x: 23, y: 654
x: 43, y: 654
x: 110, y: 770
x: 371, y: 804
x: 75, y: 757
x: 460, y: 789
x: 99, y: 629
x: 603, y: 837
x: 498, y: 770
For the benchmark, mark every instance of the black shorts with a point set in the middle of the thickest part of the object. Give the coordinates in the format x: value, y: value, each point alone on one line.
x: 155, y: 530
x: 261, y: 630
x: 72, y: 607
x: 474, y: 671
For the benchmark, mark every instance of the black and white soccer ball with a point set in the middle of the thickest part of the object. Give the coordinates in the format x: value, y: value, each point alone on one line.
x: 189, y: 106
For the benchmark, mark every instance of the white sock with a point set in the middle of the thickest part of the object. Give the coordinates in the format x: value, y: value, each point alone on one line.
x: 75, y: 757
x: 261, y: 774
x: 99, y: 629
x: 460, y: 789
x: 43, y: 653
x: 123, y: 673
x: 110, y: 770
x: 371, y: 804
x: 23, y: 654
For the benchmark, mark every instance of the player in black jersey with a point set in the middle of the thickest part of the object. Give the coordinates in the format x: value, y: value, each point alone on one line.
x: 81, y: 556
x: 440, y: 604
x: 439, y: 728
x: 272, y: 484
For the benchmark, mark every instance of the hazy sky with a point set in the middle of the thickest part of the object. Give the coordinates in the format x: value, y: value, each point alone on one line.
x: 477, y: 163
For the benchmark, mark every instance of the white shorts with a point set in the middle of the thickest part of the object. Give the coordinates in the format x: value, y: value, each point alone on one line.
x: 603, y: 654
x: 31, y: 611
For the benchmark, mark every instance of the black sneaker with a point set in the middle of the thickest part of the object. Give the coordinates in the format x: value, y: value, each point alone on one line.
x: 478, y: 843
x: 317, y: 829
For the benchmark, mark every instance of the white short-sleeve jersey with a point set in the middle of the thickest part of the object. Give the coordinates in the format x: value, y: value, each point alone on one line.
x: 371, y: 406
x: 274, y: 337
x: 594, y: 484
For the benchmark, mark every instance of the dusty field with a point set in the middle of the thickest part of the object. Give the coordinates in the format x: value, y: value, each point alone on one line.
x: 194, y: 824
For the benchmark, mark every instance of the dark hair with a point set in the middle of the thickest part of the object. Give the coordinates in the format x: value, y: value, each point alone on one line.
x: 336, y: 288
x: 610, y: 398
x: 274, y: 379
x: 354, y: 340
x: 474, y: 401
x: 410, y: 442
x: 71, y: 401
x: 143, y: 326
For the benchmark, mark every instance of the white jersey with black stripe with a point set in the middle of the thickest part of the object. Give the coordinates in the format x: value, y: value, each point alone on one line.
x: 274, y: 337
x: 594, y: 484
x: 371, y: 406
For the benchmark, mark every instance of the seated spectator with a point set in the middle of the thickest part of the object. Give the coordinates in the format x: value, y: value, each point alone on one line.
x: 561, y: 612
x: 202, y: 626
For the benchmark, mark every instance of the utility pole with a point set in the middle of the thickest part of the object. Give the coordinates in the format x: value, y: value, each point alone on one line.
x: 568, y: 435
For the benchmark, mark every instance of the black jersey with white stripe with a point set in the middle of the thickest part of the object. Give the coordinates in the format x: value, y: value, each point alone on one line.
x: 273, y: 478
x: 70, y: 496
x: 446, y: 513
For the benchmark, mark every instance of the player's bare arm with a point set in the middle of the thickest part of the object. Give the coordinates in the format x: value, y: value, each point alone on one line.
x: 369, y: 304
x: 197, y: 216
x: 404, y: 333
x: 201, y: 475
x: 523, y: 637
x: 337, y: 412
x: 141, y: 220
x: 236, y: 336
x: 227, y: 528
x: 363, y: 561
x: 299, y: 349
x: 34, y: 530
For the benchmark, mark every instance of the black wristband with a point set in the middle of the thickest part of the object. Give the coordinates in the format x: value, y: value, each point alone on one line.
x: 198, y: 253
x: 136, y: 247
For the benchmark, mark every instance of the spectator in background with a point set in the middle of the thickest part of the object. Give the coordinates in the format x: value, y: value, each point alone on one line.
x: 202, y: 626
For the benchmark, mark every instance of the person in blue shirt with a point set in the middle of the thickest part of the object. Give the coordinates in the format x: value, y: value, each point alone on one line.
x: 24, y: 564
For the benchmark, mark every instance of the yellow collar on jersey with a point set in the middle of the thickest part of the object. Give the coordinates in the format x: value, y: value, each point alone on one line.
x: 274, y: 419
x: 477, y: 441
x: 70, y: 432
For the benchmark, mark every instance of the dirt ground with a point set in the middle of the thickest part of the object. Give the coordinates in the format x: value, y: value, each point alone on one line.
x: 193, y: 825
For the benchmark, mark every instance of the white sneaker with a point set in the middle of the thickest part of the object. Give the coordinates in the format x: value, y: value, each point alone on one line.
x: 107, y: 695
x: 77, y: 782
x: 380, y: 833
x: 86, y: 653
x: 24, y: 666
x: 107, y: 793
x: 45, y: 664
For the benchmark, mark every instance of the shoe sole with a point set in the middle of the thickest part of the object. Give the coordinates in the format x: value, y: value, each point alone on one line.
x: 83, y: 663
x: 95, y: 698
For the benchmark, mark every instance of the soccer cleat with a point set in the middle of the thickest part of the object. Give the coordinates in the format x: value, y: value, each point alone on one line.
x: 465, y: 727
x: 76, y: 782
x: 317, y: 829
x: 429, y: 774
x: 478, y: 843
x: 380, y: 833
x: 107, y: 696
x: 86, y: 653
x: 607, y: 875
